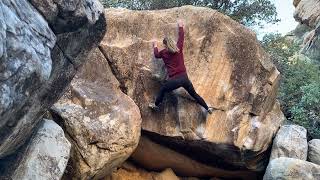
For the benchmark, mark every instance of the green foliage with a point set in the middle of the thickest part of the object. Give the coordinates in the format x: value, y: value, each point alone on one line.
x: 300, y: 85
x: 307, y: 111
x: 247, y: 12
x: 280, y: 46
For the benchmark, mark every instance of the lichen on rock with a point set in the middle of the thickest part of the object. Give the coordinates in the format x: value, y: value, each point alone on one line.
x: 102, y: 122
x: 39, y: 59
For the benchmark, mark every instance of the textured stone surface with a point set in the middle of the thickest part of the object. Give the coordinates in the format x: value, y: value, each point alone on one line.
x: 228, y: 68
x: 130, y: 172
x: 288, y: 168
x: 311, y: 44
x: 296, y: 2
x: 78, y: 24
x: 37, y: 64
x: 314, y: 151
x: 47, y: 154
x: 157, y: 157
x: 308, y: 12
x: 71, y: 14
x: 103, y: 124
x: 299, y: 33
x: 26, y: 42
x: 290, y: 141
x: 167, y: 174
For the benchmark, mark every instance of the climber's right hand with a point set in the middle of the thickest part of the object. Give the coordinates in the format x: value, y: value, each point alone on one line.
x: 154, y: 44
x: 180, y: 23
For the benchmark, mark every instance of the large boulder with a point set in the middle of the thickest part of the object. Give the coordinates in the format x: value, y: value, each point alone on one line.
x: 102, y: 123
x: 47, y: 154
x: 37, y: 63
x: 290, y: 141
x: 228, y: 68
x: 314, y: 151
x: 308, y: 13
x: 289, y: 168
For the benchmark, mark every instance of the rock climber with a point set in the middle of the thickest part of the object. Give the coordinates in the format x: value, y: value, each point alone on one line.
x: 172, y: 56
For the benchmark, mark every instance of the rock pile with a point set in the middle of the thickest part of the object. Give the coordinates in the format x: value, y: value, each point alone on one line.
x: 42, y: 45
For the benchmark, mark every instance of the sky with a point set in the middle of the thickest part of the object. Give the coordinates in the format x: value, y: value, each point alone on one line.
x: 285, y: 11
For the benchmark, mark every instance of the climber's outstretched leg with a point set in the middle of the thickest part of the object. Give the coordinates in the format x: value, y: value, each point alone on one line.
x: 189, y: 87
x: 172, y: 84
x: 169, y: 86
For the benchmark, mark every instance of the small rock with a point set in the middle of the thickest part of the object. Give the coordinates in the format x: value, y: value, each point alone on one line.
x: 158, y: 157
x: 314, y: 151
x: 288, y: 169
x: 46, y: 156
x: 167, y: 174
x: 290, y: 141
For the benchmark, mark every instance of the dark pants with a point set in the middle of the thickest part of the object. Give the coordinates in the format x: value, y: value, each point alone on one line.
x: 181, y: 81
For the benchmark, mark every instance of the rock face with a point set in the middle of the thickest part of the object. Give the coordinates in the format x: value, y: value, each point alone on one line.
x: 47, y: 154
x: 289, y: 168
x: 308, y: 13
x: 157, y: 157
x: 129, y: 171
x: 228, y: 69
x: 299, y: 33
x: 314, y: 151
x: 296, y: 2
x: 290, y: 141
x: 38, y: 63
x: 102, y: 123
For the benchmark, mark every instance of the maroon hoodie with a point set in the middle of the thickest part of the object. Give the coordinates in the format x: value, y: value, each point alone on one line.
x: 174, y: 62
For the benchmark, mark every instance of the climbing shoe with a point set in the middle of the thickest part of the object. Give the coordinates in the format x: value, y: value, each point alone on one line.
x: 153, y: 106
x: 210, y: 110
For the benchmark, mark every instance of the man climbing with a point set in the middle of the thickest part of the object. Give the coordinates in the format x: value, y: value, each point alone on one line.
x: 172, y: 57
